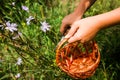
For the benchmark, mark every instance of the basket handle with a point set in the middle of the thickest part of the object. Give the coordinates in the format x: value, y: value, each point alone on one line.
x: 60, y: 44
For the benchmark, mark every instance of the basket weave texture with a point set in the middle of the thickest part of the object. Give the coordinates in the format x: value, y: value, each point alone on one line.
x: 78, y: 60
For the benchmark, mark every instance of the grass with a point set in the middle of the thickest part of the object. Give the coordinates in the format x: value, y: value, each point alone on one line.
x: 37, y: 48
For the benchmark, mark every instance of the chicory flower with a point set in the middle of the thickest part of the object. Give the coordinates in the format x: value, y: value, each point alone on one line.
x: 29, y: 19
x: 19, y: 61
x: 18, y: 75
x: 25, y: 8
x: 45, y: 26
x: 11, y: 26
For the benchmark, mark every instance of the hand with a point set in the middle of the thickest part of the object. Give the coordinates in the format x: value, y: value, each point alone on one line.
x: 84, y: 29
x: 68, y: 20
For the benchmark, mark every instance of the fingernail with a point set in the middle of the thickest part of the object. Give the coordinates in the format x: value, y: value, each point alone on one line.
x: 67, y: 36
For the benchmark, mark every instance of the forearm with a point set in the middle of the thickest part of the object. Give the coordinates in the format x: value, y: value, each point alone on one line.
x: 83, y: 6
x: 109, y: 18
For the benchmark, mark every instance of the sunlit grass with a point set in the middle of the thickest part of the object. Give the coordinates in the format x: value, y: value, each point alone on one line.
x: 36, y: 48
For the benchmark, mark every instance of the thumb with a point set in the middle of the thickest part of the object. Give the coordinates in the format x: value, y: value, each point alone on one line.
x: 62, y: 28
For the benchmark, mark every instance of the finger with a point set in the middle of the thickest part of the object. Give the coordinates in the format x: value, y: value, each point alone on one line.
x: 62, y: 28
x: 77, y: 36
x: 72, y: 31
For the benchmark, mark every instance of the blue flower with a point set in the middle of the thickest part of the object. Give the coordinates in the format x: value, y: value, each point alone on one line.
x: 29, y: 19
x: 45, y: 26
x: 25, y: 8
x: 13, y: 3
x: 19, y: 61
x: 11, y: 26
x: 18, y: 75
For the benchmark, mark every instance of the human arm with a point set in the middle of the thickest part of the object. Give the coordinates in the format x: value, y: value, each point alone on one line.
x: 86, y: 29
x: 76, y: 14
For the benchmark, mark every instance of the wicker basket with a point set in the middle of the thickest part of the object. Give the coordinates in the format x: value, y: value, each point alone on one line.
x: 77, y: 60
